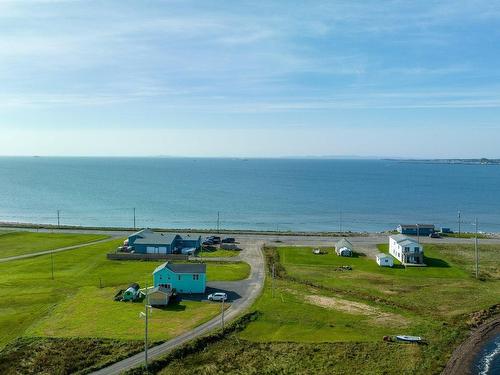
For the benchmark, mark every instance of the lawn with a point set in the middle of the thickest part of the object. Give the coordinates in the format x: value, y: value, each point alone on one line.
x: 445, y: 288
x: 317, y: 319
x: 299, y: 313
x: 218, y: 253
x: 19, y: 243
x: 100, y: 316
x: 34, y: 304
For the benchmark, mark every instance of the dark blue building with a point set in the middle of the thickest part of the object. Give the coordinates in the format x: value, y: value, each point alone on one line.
x: 416, y: 229
x: 147, y: 241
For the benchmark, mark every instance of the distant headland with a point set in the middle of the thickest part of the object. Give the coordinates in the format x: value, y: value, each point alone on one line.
x: 482, y: 161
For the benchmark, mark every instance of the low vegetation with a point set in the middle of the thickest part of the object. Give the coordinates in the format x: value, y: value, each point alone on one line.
x: 38, y: 355
x: 20, y: 243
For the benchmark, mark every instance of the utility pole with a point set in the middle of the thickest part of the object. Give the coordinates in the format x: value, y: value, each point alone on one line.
x: 52, y: 264
x: 476, y: 252
x: 340, y: 221
x: 58, y: 219
x: 145, y: 315
x: 459, y: 222
x: 222, y: 316
x: 134, y: 218
x: 218, y: 222
x: 272, y: 281
x: 418, y: 233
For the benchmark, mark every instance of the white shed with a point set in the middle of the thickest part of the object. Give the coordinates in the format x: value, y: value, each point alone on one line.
x: 384, y: 260
x: 344, y: 248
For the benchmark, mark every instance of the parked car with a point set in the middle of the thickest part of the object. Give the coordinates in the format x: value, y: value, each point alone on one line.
x: 188, y: 251
x: 219, y: 296
x: 228, y: 240
x: 215, y: 239
x: 208, y: 242
x: 434, y: 235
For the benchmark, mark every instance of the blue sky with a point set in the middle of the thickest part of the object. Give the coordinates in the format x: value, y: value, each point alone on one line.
x: 250, y: 78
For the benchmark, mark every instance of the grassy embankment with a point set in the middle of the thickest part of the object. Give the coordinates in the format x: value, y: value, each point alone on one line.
x: 325, y: 321
x: 78, y: 302
x: 20, y: 243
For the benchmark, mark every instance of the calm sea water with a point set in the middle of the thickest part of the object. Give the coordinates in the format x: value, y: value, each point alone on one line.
x: 281, y: 194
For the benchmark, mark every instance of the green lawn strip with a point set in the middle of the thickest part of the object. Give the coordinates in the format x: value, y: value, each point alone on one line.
x: 218, y: 253
x: 36, y: 355
x: 20, y: 243
x: 31, y: 294
x: 230, y: 271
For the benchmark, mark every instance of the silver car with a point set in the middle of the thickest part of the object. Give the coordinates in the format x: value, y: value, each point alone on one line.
x: 219, y: 296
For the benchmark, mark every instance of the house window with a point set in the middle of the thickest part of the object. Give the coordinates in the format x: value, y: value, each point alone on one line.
x: 196, y: 277
x: 179, y: 277
x: 407, y: 248
x: 416, y: 249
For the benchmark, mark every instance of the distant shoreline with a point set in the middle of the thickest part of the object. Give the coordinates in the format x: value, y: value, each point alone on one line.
x: 20, y: 225
x: 482, y: 161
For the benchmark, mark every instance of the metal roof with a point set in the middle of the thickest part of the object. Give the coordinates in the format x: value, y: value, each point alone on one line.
x: 153, y: 238
x: 383, y: 255
x: 160, y: 289
x: 183, y: 267
x: 343, y: 243
x: 401, y: 239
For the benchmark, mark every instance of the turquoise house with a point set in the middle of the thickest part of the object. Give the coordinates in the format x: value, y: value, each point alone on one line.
x: 183, y: 277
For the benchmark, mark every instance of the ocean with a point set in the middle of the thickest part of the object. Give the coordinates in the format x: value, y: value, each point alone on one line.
x: 260, y: 194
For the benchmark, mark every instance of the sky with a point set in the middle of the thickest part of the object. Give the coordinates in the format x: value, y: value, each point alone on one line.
x: 417, y: 79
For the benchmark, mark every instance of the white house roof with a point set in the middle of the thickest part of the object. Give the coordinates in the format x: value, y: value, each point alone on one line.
x: 403, y: 240
x: 383, y: 255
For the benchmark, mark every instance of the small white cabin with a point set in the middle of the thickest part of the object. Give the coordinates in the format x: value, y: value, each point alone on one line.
x: 384, y: 260
x: 344, y: 248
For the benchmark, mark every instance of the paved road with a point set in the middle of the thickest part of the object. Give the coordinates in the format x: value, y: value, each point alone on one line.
x: 243, y: 292
x: 45, y: 252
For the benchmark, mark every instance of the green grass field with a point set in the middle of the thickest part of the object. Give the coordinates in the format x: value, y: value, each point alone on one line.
x: 317, y: 319
x: 20, y: 243
x: 218, y: 253
x: 73, y: 304
x: 445, y: 288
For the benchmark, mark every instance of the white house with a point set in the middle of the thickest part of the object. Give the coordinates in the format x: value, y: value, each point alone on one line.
x: 406, y: 250
x: 344, y: 248
x: 384, y: 260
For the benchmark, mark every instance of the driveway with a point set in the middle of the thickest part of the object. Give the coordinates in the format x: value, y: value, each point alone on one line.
x: 242, y: 294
